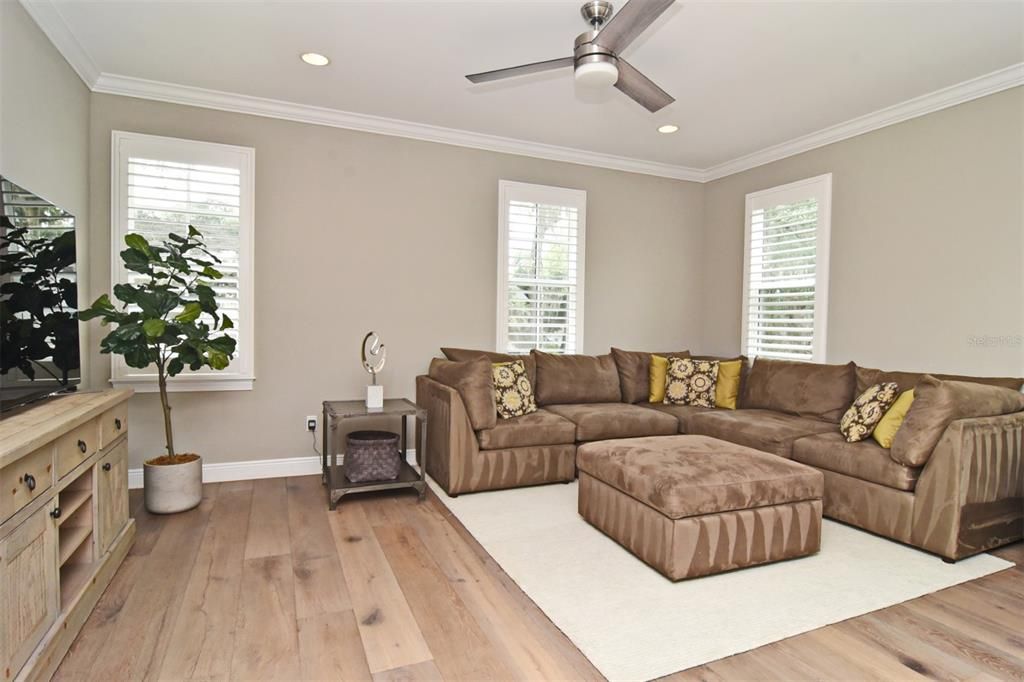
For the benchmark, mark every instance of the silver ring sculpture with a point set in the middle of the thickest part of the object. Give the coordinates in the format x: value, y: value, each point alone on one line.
x: 373, y: 354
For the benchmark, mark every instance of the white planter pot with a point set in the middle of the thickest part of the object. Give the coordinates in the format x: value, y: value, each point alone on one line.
x: 173, y: 487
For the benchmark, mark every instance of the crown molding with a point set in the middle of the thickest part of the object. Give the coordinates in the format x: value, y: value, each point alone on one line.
x: 989, y: 84
x: 49, y: 19
x: 303, y: 113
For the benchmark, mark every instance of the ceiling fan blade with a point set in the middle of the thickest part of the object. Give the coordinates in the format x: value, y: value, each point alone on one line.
x: 640, y: 88
x: 629, y: 22
x: 525, y: 69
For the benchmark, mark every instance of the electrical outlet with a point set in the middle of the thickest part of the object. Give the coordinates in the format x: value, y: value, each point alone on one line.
x: 311, y: 422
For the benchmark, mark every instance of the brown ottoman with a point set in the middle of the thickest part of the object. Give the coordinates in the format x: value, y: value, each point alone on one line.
x: 694, y: 505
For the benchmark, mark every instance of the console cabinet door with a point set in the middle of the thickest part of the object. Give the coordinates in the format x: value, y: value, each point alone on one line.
x: 28, y: 588
x: 112, y: 494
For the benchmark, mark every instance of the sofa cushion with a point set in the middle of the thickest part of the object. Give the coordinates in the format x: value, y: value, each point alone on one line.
x: 657, y: 378
x: 680, y: 412
x: 472, y: 379
x: 865, y: 460
x: 908, y: 380
x: 892, y: 420
x: 576, y: 379
x: 598, y: 421
x: 867, y: 410
x: 692, y: 475
x: 513, y: 393
x: 764, y: 430
x: 745, y: 365
x: 537, y: 428
x: 806, y: 389
x: 937, y: 404
x: 727, y: 385
x: 691, y: 382
x: 635, y: 372
x: 467, y: 354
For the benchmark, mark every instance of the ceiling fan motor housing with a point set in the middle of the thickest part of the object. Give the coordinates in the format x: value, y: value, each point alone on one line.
x: 596, y: 12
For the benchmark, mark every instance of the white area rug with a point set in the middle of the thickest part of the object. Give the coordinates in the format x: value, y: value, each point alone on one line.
x: 633, y: 624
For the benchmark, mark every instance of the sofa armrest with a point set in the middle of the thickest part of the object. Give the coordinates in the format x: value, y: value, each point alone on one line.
x: 451, y: 441
x: 970, y: 496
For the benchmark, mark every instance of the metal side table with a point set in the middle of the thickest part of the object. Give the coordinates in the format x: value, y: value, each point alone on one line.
x: 337, y: 411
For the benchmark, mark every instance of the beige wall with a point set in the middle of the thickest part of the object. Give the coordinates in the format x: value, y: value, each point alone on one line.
x: 356, y: 231
x: 44, y: 121
x: 927, y: 241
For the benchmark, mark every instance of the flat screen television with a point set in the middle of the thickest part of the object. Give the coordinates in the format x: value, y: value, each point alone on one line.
x: 39, y: 353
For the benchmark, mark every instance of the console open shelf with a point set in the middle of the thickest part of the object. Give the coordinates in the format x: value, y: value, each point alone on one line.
x: 71, y: 538
x: 71, y: 501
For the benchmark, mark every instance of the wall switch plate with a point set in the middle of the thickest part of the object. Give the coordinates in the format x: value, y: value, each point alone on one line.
x: 311, y: 422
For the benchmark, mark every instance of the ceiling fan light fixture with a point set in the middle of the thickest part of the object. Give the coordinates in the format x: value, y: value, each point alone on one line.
x: 668, y: 128
x: 597, y: 74
x: 315, y: 59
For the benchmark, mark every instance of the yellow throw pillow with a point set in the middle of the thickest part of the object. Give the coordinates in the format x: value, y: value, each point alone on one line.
x: 886, y: 429
x: 727, y: 388
x: 659, y: 378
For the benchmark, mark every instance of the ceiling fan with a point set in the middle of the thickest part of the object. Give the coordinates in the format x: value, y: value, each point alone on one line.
x: 596, y: 61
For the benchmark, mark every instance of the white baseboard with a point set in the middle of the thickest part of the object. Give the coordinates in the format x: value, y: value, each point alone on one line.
x: 251, y: 469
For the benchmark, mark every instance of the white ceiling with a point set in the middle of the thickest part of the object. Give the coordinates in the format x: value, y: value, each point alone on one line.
x: 746, y: 75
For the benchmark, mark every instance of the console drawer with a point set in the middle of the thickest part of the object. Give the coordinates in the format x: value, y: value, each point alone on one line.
x: 76, y: 446
x: 25, y: 480
x: 112, y: 424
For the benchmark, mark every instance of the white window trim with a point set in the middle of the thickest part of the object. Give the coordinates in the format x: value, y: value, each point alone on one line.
x: 240, y: 374
x: 561, y: 196
x: 820, y: 187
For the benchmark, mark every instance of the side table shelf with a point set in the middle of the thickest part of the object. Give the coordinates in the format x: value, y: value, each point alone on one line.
x: 338, y: 411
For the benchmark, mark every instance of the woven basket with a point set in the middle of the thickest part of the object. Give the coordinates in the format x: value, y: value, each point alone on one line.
x: 372, y: 456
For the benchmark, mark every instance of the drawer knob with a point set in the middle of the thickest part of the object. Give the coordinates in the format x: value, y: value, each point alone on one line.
x: 117, y: 423
x: 55, y: 512
x: 106, y: 466
x: 30, y: 481
x: 82, y: 447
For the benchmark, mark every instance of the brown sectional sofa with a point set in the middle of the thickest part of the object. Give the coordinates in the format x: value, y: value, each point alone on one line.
x: 966, y: 498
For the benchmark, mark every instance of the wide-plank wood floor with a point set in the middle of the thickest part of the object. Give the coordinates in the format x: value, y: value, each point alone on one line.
x: 261, y: 581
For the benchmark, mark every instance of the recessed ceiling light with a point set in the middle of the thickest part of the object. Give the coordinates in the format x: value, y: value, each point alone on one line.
x: 668, y: 128
x: 314, y: 59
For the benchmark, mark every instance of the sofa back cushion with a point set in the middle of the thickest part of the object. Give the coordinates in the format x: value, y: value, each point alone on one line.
x: 807, y: 389
x: 474, y: 381
x: 635, y: 372
x: 867, y: 377
x: 576, y: 379
x: 462, y: 354
x: 938, y: 403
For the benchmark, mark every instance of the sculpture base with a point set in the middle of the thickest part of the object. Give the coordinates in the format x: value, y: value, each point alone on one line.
x: 374, y: 396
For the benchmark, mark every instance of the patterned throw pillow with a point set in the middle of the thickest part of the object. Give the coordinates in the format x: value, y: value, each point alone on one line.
x: 691, y: 382
x: 512, y: 390
x: 867, y: 410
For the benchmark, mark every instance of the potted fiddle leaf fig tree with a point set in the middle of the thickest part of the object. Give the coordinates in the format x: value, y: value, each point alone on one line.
x: 168, y: 319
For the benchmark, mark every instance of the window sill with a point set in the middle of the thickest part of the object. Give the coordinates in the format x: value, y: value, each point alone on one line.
x: 186, y: 384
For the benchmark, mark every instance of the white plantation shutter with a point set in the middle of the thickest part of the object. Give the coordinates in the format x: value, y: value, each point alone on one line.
x: 540, y: 268
x: 785, y: 289
x: 161, y: 186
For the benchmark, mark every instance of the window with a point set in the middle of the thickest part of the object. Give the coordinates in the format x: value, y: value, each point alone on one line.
x: 785, y: 284
x: 161, y: 185
x: 540, y: 268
